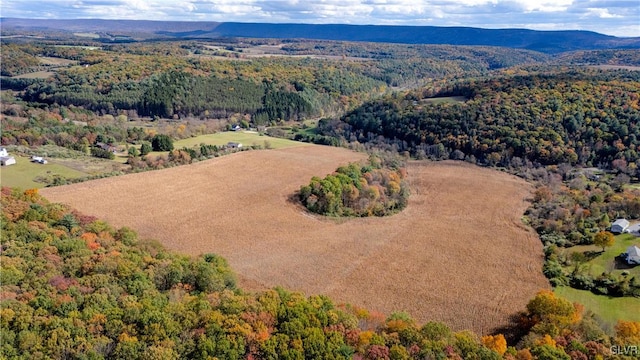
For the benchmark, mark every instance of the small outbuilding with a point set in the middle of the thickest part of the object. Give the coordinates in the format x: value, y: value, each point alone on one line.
x: 619, y: 226
x: 107, y: 147
x: 632, y: 255
x: 7, y: 160
x: 38, y: 160
x: 234, y: 145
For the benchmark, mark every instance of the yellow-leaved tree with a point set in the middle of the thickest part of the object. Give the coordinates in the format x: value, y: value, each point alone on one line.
x: 628, y: 332
x: 603, y: 239
x: 496, y: 343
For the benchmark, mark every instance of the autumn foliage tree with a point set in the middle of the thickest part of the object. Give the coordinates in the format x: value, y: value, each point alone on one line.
x: 603, y: 239
x: 547, y: 313
x: 496, y: 343
x: 628, y: 332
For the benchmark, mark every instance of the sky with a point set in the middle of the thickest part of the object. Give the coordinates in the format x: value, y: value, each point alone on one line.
x: 613, y: 17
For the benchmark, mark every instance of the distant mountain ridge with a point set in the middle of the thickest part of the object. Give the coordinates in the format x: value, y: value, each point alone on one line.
x: 102, y: 25
x: 543, y: 41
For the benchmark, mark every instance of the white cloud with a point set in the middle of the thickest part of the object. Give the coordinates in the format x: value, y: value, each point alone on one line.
x: 602, y: 13
x: 544, y: 5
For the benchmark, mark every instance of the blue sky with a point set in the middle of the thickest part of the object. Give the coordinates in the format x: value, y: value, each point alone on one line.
x: 619, y: 18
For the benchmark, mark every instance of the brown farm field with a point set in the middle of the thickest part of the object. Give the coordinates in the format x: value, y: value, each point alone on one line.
x: 458, y: 253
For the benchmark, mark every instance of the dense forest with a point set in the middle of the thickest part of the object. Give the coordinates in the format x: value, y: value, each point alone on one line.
x: 576, y: 116
x: 75, y: 287
x: 189, y: 82
x: 602, y: 57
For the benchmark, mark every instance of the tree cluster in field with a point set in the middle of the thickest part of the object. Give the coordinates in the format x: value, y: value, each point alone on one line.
x: 377, y: 188
x: 577, y: 116
x: 161, y: 142
x: 102, y: 153
x: 75, y: 287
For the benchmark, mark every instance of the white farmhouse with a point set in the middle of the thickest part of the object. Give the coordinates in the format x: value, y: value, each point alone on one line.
x: 5, y: 158
x: 632, y: 255
x: 619, y: 226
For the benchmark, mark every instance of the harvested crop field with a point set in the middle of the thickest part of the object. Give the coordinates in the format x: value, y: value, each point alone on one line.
x: 458, y: 253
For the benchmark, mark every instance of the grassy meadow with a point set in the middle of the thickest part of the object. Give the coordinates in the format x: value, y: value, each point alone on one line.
x: 36, y: 75
x: 245, y: 138
x: 24, y: 173
x: 609, y: 309
x: 606, y: 262
x: 444, y: 99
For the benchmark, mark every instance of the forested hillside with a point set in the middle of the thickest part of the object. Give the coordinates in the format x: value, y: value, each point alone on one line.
x: 190, y: 82
x: 576, y: 116
x: 75, y: 287
x: 602, y: 57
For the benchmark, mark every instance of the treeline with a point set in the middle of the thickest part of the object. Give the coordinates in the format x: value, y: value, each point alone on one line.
x: 75, y: 287
x: 104, y: 100
x: 118, y: 78
x: 576, y: 116
x: 185, y: 156
x: 377, y: 188
x: 50, y: 128
x: 502, y: 57
x: 413, y: 65
x: 602, y: 57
